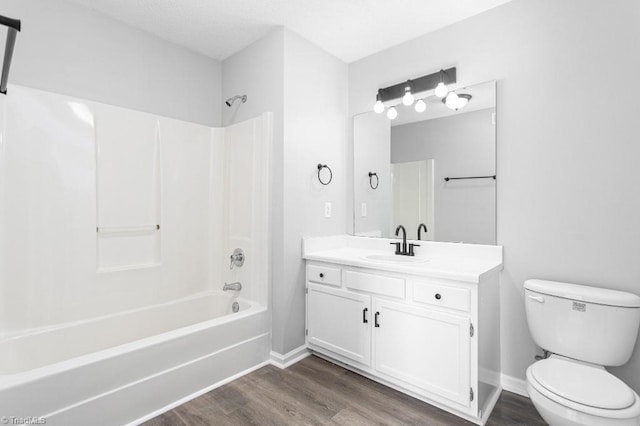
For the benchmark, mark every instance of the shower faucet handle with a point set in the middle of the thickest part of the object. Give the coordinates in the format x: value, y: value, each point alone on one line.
x: 237, y: 258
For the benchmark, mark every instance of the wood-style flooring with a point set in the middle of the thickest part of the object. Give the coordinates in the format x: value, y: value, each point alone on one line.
x: 317, y: 392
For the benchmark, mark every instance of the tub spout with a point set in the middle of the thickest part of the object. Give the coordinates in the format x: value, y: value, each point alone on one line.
x: 233, y: 286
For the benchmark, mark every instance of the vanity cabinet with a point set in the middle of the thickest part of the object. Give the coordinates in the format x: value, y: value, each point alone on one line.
x: 424, y: 347
x: 338, y: 321
x: 418, y: 334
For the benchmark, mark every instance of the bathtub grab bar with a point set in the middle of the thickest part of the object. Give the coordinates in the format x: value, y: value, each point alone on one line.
x: 13, y: 26
x: 126, y: 229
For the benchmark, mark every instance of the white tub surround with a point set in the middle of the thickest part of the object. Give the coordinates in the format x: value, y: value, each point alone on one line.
x: 427, y: 325
x: 116, y: 228
x: 105, y: 209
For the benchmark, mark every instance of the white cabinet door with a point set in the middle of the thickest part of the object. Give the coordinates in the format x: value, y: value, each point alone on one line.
x: 424, y: 348
x: 339, y: 321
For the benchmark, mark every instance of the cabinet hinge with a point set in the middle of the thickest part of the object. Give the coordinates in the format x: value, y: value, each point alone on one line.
x: 470, y: 394
x: 471, y: 330
x: 306, y: 290
x: 306, y: 331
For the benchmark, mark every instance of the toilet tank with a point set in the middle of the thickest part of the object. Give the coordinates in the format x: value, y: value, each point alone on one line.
x: 591, y: 324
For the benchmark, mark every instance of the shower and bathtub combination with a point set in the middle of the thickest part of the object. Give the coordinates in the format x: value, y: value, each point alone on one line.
x: 116, y: 229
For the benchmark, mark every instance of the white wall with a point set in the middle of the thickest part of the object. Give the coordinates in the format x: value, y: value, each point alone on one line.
x: 68, y: 49
x: 372, y: 145
x: 306, y: 90
x: 315, y: 114
x: 460, y: 145
x: 568, y: 196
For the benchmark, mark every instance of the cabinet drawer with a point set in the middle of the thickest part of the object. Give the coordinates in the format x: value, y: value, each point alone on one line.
x: 441, y: 295
x: 323, y: 275
x: 373, y: 283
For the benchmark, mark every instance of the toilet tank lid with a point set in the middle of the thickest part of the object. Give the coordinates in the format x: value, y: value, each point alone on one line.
x: 583, y: 293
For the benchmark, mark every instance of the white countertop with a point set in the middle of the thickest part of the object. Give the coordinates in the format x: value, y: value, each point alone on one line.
x: 455, y: 261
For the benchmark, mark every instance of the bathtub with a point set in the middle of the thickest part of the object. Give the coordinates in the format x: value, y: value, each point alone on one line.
x: 127, y: 367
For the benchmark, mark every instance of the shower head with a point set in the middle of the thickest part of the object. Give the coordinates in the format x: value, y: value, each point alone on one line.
x: 230, y: 101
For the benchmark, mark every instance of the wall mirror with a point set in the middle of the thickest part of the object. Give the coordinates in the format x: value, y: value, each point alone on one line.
x: 437, y: 167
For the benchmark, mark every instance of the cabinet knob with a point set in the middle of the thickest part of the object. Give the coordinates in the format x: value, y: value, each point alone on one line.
x: 321, y: 275
x: 438, y: 296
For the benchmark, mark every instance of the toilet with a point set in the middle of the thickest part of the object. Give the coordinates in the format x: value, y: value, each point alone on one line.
x: 583, y: 329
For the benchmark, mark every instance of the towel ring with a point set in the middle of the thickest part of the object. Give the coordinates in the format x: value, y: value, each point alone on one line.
x: 324, y: 166
x: 371, y: 175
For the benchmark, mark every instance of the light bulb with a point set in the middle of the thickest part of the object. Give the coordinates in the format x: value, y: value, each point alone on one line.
x: 407, y: 99
x: 455, y: 101
x: 392, y: 113
x: 441, y: 90
x: 451, y: 100
x: 379, y: 106
x: 421, y: 106
x: 461, y: 102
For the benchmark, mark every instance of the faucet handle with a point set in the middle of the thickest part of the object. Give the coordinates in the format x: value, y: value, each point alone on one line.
x: 397, y: 247
x: 411, y: 246
x: 237, y: 258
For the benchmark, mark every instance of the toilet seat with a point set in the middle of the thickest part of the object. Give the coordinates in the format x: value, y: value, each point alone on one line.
x: 583, y: 384
x: 583, y: 387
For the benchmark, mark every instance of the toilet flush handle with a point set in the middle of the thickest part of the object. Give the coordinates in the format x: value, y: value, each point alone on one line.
x: 538, y: 299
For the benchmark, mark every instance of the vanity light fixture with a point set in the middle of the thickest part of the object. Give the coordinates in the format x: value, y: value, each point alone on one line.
x: 392, y: 113
x: 407, y: 90
x: 407, y: 99
x: 456, y: 101
x: 378, y: 107
x: 441, y: 89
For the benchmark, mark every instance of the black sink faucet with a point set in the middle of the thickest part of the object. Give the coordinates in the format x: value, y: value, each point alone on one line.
x: 404, y: 251
x: 404, y: 238
x: 422, y: 225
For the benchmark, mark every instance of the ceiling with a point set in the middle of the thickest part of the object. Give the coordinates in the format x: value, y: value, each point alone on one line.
x: 348, y: 29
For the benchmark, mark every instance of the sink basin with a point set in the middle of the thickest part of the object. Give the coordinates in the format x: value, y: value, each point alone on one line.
x: 393, y: 258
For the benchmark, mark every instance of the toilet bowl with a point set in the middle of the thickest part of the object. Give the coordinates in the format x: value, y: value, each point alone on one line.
x: 567, y: 392
x: 584, y: 328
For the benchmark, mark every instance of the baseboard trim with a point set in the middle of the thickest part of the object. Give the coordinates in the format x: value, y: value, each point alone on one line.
x: 515, y: 385
x: 290, y: 358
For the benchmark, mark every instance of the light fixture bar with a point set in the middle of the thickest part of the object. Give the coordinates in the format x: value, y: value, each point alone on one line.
x: 420, y: 84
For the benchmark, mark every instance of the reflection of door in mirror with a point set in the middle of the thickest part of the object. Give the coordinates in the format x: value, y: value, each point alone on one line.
x: 412, y: 189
